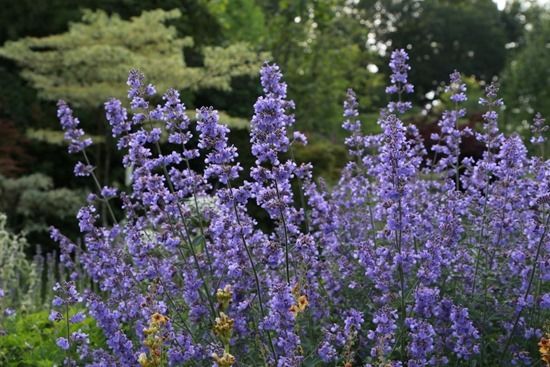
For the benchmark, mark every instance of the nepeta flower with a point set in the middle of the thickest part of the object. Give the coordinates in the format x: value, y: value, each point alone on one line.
x: 81, y: 169
x: 355, y: 142
x: 117, y: 117
x: 538, y: 129
x: 70, y: 124
x: 407, y: 261
x: 77, y: 318
x: 62, y: 343
x: 108, y: 192
x: 271, y: 120
x: 55, y: 316
x: 399, y: 81
x: 450, y: 137
x: 220, y: 161
x: 457, y: 88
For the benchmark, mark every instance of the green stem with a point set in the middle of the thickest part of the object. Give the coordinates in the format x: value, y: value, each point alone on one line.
x: 98, y: 185
x: 201, y: 229
x: 285, y: 231
x: 301, y: 194
x: 68, y: 326
x: 252, y: 265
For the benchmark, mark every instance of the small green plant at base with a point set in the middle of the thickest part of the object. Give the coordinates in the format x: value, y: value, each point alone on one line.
x: 29, y: 340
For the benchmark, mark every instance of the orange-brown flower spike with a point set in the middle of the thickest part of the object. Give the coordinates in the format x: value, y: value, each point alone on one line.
x: 159, y: 319
x: 302, y: 302
x: 294, y: 309
x: 544, y: 349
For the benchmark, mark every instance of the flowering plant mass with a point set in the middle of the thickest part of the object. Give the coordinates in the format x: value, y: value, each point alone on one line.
x: 414, y: 258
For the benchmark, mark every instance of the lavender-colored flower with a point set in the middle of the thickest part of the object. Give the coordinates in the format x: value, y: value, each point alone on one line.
x: 62, y: 343
x: 351, y: 112
x: 327, y: 352
x: 213, y: 136
x: 457, y: 88
x: 81, y: 169
x: 73, y: 134
x: 407, y: 261
x: 450, y: 136
x: 353, y: 322
x: 383, y: 337
x: 400, y: 69
x: 269, y: 125
x: 282, y: 321
x: 399, y: 81
x: 538, y: 129
x: 57, y: 301
x: 421, y: 346
x: 55, y: 316
x: 117, y: 117
x: 464, y: 334
x: 491, y: 134
x: 77, y: 318
x: 355, y: 142
x: 108, y: 192
x: 135, y: 82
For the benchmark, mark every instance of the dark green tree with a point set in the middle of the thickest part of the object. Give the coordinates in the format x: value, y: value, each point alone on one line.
x: 526, y: 79
x: 319, y: 45
x: 440, y: 35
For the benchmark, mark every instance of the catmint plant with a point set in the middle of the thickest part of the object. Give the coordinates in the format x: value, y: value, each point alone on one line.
x: 411, y: 259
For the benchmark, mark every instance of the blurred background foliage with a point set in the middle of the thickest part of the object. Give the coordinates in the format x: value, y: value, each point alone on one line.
x: 211, y: 51
x: 90, y: 62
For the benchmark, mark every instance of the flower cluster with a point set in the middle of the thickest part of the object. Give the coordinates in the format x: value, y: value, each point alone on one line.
x: 410, y: 260
x: 399, y: 81
x: 66, y: 299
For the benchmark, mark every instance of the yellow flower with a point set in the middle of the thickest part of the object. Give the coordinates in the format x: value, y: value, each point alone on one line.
x: 300, y: 306
x: 154, y: 341
x: 226, y: 360
x: 223, y: 326
x: 158, y: 319
x: 296, y: 290
x: 294, y: 309
x: 224, y: 297
x: 150, y: 330
x: 302, y: 302
x: 142, y: 360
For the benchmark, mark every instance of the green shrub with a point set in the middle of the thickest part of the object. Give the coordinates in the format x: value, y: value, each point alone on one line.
x: 29, y: 340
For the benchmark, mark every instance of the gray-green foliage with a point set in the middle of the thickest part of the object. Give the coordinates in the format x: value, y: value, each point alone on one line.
x: 32, y: 203
x: 27, y: 284
x: 19, y: 278
x: 90, y: 62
